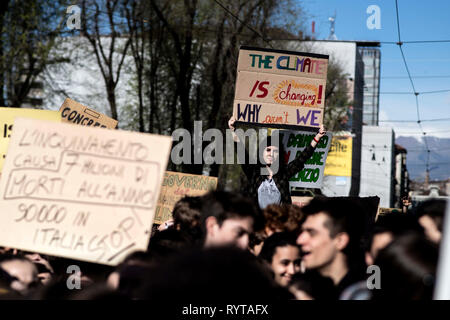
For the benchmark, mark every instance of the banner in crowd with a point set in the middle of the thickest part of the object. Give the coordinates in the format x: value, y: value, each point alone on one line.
x: 383, y: 211
x: 280, y: 89
x: 294, y: 143
x: 74, y: 112
x: 7, y: 116
x: 339, y: 160
x: 300, y: 201
x: 175, y: 186
x: 87, y: 193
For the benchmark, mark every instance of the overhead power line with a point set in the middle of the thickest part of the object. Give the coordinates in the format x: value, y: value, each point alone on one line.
x: 415, y: 41
x: 417, y: 77
x: 247, y: 26
x: 419, y: 121
x: 415, y: 93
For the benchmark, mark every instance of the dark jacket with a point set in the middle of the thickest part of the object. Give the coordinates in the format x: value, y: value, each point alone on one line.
x: 281, y: 178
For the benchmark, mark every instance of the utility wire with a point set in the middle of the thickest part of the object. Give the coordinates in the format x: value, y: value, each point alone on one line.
x: 362, y: 42
x: 426, y: 132
x: 399, y: 43
x: 237, y: 18
x: 416, y: 93
x: 416, y: 77
x: 418, y: 121
x: 415, y: 41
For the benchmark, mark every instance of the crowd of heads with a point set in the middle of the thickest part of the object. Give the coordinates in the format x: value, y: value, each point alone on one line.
x: 221, y: 246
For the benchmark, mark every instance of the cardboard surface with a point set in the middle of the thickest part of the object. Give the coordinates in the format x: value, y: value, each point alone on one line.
x: 7, y: 116
x: 301, y: 201
x: 280, y: 89
x: 275, y: 115
x: 298, y: 64
x: 175, y: 186
x: 285, y: 90
x: 75, y: 112
x: 81, y: 193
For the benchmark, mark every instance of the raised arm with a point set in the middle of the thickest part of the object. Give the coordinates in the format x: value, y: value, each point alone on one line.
x: 246, y: 166
x: 231, y: 122
x: 318, y: 136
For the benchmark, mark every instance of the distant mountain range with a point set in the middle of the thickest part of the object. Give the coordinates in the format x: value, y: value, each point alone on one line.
x: 417, y: 156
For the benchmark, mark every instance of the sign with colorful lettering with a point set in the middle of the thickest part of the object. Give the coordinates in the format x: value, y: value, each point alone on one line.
x: 74, y: 112
x: 87, y: 193
x: 280, y: 89
x: 7, y: 116
x: 294, y: 142
x: 339, y: 161
x: 177, y: 185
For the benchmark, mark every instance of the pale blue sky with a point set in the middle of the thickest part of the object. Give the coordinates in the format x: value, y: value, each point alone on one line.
x: 419, y: 20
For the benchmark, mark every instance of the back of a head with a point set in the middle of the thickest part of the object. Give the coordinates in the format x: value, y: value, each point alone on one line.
x: 314, y: 285
x: 285, y: 217
x: 214, y: 274
x: 186, y: 212
x: 435, y: 208
x: 169, y: 242
x: 397, y: 224
x: 408, y: 268
x: 98, y: 292
x: 224, y: 205
x: 276, y: 240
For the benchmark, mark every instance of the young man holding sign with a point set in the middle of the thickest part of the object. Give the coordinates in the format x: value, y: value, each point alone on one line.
x: 274, y: 187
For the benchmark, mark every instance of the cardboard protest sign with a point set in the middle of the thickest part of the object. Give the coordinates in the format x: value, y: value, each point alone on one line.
x: 81, y: 193
x: 74, y: 112
x: 383, y: 211
x: 280, y: 89
x: 175, y: 186
x: 339, y: 161
x: 7, y: 117
x: 294, y: 143
x: 300, y: 201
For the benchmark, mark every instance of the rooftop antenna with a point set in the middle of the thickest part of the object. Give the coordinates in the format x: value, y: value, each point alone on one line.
x: 332, y: 20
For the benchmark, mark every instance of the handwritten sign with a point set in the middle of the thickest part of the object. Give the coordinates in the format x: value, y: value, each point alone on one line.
x: 7, y: 117
x: 294, y: 143
x: 280, y: 89
x: 74, y: 112
x: 87, y: 194
x: 177, y: 185
x: 339, y: 160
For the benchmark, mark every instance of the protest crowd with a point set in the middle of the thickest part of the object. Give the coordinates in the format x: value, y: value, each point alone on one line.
x: 222, y: 246
x: 217, y: 246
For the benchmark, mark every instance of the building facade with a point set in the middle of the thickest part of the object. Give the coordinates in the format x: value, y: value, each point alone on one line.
x: 371, y: 57
x: 360, y: 61
x: 401, y: 176
x: 378, y: 164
